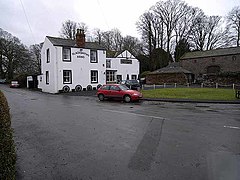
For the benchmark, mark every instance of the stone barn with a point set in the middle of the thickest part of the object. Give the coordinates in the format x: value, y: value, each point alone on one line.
x: 213, y: 62
x: 171, y: 74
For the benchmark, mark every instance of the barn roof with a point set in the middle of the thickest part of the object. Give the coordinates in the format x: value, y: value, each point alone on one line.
x: 211, y: 53
x: 171, y: 68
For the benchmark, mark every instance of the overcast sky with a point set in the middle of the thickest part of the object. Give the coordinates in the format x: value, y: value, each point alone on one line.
x: 46, y: 16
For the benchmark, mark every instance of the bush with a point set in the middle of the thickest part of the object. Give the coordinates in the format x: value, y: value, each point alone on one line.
x: 22, y: 79
x: 7, y: 147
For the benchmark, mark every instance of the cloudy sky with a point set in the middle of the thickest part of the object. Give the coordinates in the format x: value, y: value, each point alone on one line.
x: 46, y: 16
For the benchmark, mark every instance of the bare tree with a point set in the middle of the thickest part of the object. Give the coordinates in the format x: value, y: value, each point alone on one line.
x: 170, y: 12
x: 68, y: 30
x: 132, y: 44
x: 234, y: 25
x: 97, y: 35
x: 198, y: 32
x: 215, y: 33
x: 35, y: 51
x: 107, y: 40
x: 117, y: 40
x: 145, y: 26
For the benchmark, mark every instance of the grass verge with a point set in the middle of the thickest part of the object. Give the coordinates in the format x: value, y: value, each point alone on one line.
x: 7, y: 147
x: 191, y: 93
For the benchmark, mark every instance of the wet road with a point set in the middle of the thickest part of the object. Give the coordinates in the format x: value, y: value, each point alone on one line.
x: 68, y: 137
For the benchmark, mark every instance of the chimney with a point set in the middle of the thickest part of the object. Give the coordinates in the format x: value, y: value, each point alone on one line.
x: 80, y: 38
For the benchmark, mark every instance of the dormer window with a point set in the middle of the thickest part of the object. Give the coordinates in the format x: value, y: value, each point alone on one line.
x: 93, y: 56
x: 66, y: 54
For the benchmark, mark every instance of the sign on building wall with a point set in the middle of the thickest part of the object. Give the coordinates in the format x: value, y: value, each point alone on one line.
x: 80, y: 53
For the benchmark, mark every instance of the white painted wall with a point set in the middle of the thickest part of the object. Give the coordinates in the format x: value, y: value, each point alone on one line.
x: 80, y: 66
x: 124, y: 69
x: 51, y: 67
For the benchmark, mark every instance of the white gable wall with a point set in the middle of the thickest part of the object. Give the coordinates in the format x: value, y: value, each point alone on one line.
x: 125, y: 69
x: 50, y: 67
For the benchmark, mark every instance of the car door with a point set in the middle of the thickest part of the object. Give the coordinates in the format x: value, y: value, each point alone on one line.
x: 114, y: 91
x: 105, y: 90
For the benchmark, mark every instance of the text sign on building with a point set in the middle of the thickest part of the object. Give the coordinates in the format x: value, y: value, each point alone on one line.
x: 80, y: 54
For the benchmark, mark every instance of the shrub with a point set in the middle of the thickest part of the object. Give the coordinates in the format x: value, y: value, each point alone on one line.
x: 7, y: 148
x: 22, y: 79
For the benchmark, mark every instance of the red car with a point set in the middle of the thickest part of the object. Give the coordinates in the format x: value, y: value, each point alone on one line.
x: 118, y: 91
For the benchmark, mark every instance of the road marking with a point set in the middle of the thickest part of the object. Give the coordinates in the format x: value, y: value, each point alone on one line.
x: 130, y: 113
x: 232, y: 127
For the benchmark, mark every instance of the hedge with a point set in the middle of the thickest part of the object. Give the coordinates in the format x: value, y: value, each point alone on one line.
x: 7, y: 147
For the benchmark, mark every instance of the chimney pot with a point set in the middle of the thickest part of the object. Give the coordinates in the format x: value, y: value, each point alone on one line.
x: 80, y: 38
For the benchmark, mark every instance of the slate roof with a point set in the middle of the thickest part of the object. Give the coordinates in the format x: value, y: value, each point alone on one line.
x: 211, y: 53
x: 171, y: 68
x: 72, y: 43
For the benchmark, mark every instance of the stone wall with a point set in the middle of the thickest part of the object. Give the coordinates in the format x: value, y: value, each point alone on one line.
x: 197, y: 66
x: 179, y: 78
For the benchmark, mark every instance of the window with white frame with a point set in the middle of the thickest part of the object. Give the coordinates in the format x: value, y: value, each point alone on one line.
x: 108, y: 63
x: 67, y: 76
x: 93, y: 56
x: 66, y: 54
x: 134, y: 77
x: 47, y: 77
x: 110, y: 76
x: 48, y: 55
x: 94, y: 76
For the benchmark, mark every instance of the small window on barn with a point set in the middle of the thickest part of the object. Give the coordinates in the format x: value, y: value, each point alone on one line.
x: 195, y: 61
x: 234, y: 58
x: 213, y: 69
x: 213, y: 60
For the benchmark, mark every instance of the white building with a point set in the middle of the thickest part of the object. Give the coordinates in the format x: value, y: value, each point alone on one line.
x: 122, y: 66
x: 69, y: 65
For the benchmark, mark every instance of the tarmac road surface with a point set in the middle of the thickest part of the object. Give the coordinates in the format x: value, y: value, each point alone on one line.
x: 79, y: 137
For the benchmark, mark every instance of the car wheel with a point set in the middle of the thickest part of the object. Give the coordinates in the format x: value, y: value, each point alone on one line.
x: 101, y: 97
x: 127, y: 98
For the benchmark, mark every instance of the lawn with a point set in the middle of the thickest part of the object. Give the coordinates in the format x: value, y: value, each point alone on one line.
x: 191, y: 93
